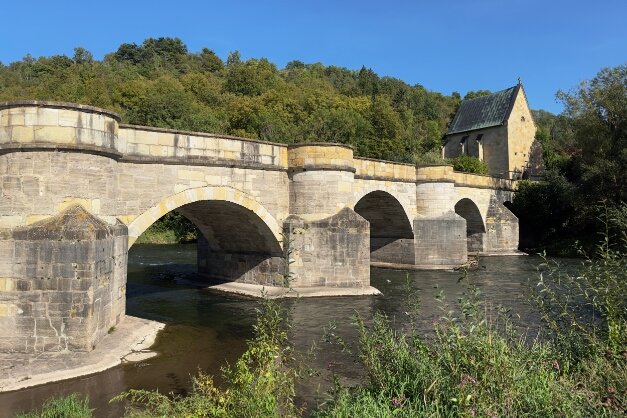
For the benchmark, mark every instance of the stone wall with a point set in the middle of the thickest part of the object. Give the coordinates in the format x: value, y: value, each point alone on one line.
x: 342, y: 240
x: 492, y: 148
x: 147, y: 144
x: 521, y: 131
x: 440, y: 241
x: 64, y: 283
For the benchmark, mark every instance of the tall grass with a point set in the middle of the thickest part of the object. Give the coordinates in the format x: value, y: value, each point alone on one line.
x: 471, y: 366
x: 66, y: 407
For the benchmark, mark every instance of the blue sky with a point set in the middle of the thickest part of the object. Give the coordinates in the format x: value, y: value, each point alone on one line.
x: 445, y: 45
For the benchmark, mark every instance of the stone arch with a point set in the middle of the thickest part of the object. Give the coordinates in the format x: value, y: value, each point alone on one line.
x: 475, y: 227
x: 381, y: 188
x: 210, y: 193
x: 238, y: 240
x: 391, y: 230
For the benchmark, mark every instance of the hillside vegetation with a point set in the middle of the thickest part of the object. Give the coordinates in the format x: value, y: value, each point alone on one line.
x: 161, y: 83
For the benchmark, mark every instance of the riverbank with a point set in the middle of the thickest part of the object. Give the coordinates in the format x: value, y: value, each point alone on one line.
x: 129, y: 341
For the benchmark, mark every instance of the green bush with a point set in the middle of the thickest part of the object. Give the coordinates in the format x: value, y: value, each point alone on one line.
x: 66, y: 407
x: 469, y: 164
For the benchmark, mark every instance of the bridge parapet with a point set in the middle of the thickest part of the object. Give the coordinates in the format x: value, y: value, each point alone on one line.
x: 372, y: 169
x: 446, y: 174
x: 148, y: 144
x: 31, y: 124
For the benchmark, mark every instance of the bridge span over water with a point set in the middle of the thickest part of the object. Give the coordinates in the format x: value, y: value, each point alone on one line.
x: 78, y: 188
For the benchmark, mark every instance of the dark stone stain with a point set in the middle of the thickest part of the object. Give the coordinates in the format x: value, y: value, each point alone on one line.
x: 79, y: 129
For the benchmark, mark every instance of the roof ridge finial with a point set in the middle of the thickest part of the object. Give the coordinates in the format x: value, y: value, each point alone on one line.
x: 519, y: 81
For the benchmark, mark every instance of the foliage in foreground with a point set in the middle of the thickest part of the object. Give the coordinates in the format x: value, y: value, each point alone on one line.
x: 475, y: 365
x: 261, y: 384
x: 479, y: 366
x: 66, y: 407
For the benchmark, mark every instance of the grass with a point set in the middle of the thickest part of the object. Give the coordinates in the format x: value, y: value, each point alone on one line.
x: 66, y: 407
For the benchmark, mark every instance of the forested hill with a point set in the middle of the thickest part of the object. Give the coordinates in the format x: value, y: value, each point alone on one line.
x: 160, y: 83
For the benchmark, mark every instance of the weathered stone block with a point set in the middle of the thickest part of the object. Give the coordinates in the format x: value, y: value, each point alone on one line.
x: 46, y: 284
x: 440, y: 242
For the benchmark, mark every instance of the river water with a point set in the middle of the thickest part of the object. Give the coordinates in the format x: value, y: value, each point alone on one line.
x: 207, y: 329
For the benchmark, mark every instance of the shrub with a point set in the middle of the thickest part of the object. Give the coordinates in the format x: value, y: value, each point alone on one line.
x: 470, y: 164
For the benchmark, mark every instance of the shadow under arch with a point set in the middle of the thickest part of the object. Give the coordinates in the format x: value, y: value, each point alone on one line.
x: 391, y: 232
x: 238, y: 239
x: 210, y: 193
x: 475, y: 227
x: 381, y: 188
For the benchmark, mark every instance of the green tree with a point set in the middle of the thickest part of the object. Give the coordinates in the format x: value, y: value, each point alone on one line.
x: 597, y: 112
x: 474, y: 94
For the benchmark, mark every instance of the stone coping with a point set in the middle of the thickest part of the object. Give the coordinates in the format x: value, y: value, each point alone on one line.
x: 319, y: 144
x: 59, y: 105
x: 321, y: 167
x: 46, y: 146
x: 384, y: 178
x: 384, y: 161
x: 128, y: 342
x: 494, y: 176
x: 433, y: 165
x: 201, y: 134
x: 198, y: 160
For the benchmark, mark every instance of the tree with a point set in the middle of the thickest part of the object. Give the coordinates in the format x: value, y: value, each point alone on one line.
x: 210, y: 61
x: 597, y: 115
x: 474, y: 94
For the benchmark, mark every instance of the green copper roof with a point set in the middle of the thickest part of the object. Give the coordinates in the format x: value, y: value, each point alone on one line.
x: 484, y: 111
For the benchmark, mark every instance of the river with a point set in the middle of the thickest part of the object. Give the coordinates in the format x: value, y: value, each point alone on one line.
x: 206, y: 329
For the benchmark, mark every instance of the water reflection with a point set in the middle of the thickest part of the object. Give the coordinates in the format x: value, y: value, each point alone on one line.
x: 207, y: 329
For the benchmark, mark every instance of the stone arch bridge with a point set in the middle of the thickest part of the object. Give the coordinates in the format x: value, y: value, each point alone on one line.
x: 78, y: 188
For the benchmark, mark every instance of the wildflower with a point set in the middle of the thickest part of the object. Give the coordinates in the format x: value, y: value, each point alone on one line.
x: 556, y: 365
x: 329, y: 366
x: 398, y: 403
x: 466, y: 378
x: 472, y: 412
